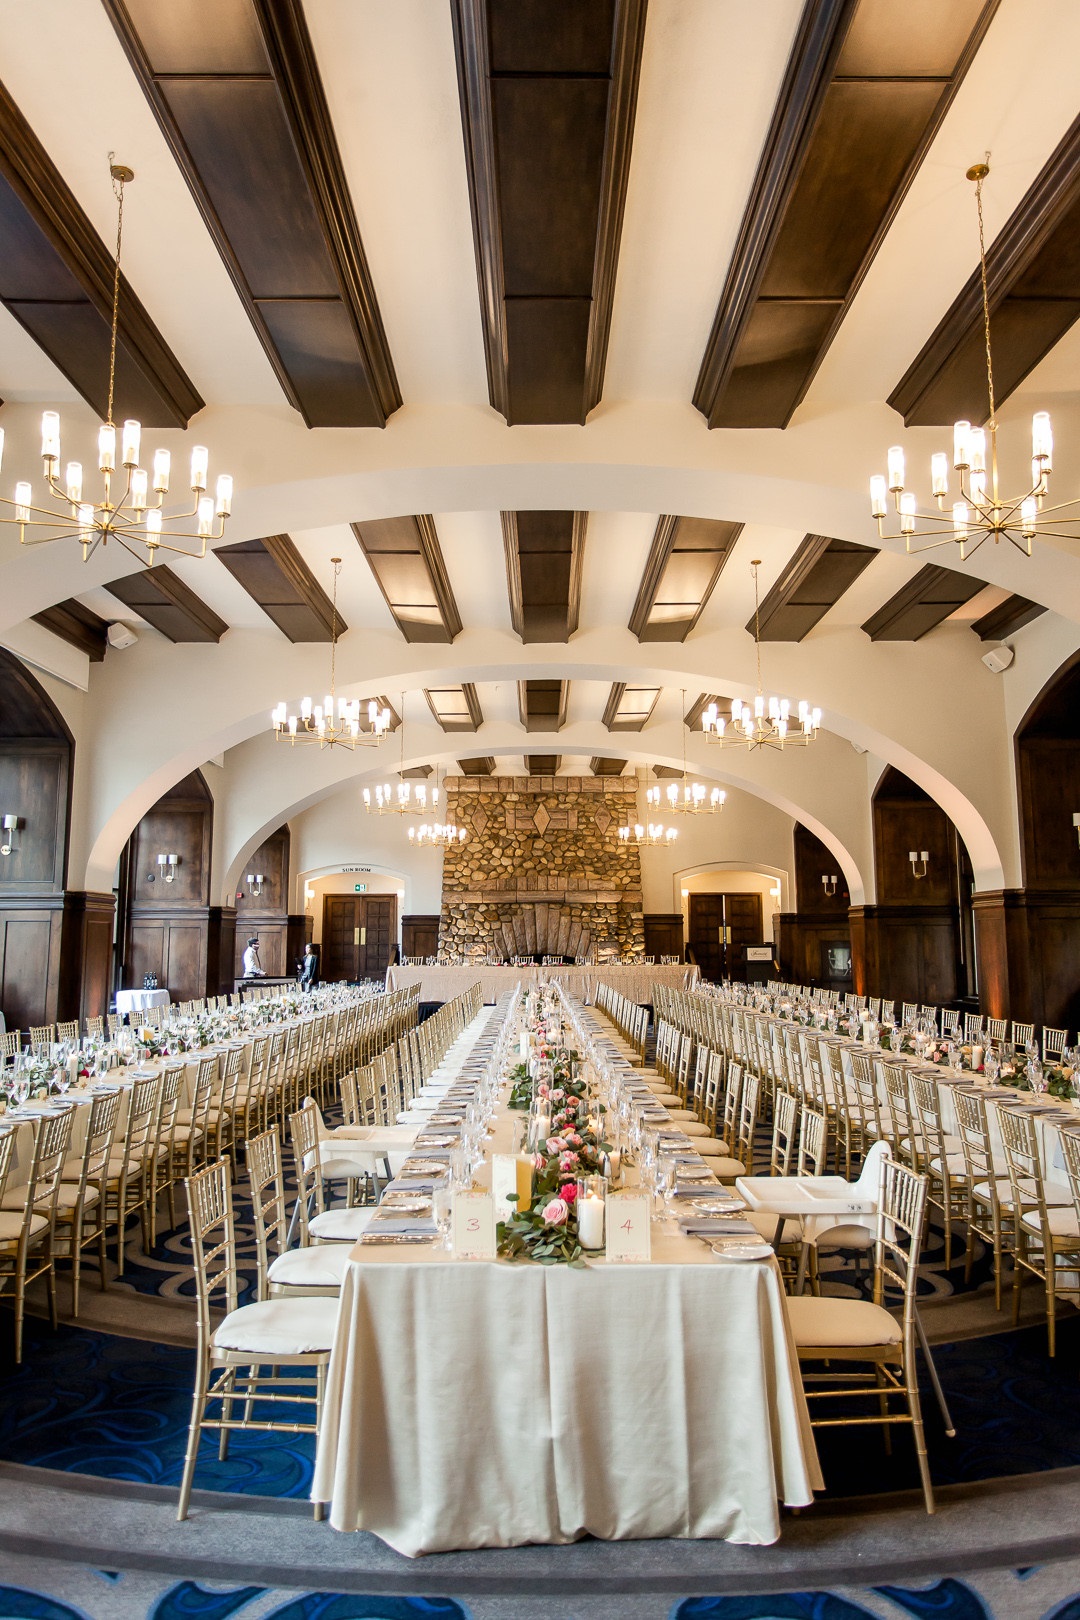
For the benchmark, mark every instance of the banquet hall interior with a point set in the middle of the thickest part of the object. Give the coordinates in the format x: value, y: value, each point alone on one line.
x: 538, y: 641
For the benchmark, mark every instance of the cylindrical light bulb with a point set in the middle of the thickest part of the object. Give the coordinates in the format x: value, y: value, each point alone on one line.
x: 200, y: 458
x: 939, y: 473
x: 978, y: 449
x: 1029, y: 510
x: 130, y: 440
x: 224, y: 495
x: 138, y: 488
x: 977, y: 487
x: 1042, y: 439
x: 878, y: 496
x: 24, y: 496
x: 153, y: 528
x: 162, y: 466
x: 961, y: 439
x: 50, y: 435
x: 907, y: 513
x: 960, y: 520
x: 106, y: 448
x: 73, y: 480
x: 206, y: 516
x: 896, y: 468
x: 86, y: 523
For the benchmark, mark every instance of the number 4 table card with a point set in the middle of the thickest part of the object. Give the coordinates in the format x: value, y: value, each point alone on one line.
x: 472, y: 1231
x: 627, y: 1226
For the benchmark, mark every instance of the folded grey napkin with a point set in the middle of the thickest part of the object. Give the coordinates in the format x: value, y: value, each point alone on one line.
x: 717, y: 1226
x: 692, y: 1189
x: 391, y: 1224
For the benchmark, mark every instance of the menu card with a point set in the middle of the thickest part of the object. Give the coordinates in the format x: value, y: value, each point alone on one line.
x: 511, y: 1173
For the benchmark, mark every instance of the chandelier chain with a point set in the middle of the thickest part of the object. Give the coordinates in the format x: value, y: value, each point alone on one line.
x: 118, y: 184
x: 985, y: 299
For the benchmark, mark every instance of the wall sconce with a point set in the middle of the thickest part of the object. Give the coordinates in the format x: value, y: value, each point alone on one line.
x: 167, y: 865
x: 10, y: 825
x: 829, y: 884
x: 1076, y: 824
x: 309, y: 895
x: 255, y: 883
x: 919, y: 858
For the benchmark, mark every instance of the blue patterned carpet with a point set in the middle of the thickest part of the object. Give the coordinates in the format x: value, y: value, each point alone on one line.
x: 93, y: 1403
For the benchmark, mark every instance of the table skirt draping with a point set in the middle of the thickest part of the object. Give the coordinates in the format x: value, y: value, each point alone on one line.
x: 634, y: 980
x: 129, y: 1001
x: 483, y: 1404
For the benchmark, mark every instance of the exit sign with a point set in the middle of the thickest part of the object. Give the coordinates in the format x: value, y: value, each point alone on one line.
x: 360, y: 888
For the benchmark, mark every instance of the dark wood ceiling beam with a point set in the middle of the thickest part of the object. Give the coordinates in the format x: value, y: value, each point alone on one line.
x: 602, y: 766
x: 542, y: 764
x: 630, y: 708
x: 407, y: 561
x: 484, y: 766
x: 544, y: 554
x: 684, y: 563
x: 77, y: 625
x: 239, y: 98
x: 1033, y: 285
x: 1007, y: 618
x: 923, y: 603
x: 455, y: 708
x: 860, y: 103
x: 548, y: 96
x: 814, y: 580
x: 274, y: 575
x: 56, y: 279
x: 161, y: 598
x: 542, y: 704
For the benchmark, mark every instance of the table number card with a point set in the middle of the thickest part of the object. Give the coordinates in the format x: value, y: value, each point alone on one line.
x: 472, y: 1230
x: 627, y: 1226
x: 511, y: 1173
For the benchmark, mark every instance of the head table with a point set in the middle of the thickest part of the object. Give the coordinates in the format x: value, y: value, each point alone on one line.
x: 475, y: 1403
x: 634, y: 980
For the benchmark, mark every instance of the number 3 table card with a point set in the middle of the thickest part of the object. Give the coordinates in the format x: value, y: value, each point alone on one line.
x: 473, y: 1226
x: 627, y: 1226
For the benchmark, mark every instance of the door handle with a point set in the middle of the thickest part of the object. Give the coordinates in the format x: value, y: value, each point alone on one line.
x: 363, y: 936
x: 356, y: 936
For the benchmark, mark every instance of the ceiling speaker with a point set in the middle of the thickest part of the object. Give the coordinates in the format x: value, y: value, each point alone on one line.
x: 998, y: 659
x: 121, y: 635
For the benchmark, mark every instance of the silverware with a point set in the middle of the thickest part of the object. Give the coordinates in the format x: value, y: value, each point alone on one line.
x: 399, y: 1237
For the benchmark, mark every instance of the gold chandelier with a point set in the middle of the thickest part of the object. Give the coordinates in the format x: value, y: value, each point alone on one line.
x: 980, y: 512
x: 437, y: 835
x: 767, y: 722
x: 135, y: 515
x: 692, y: 798
x: 407, y: 798
x: 335, y: 723
x: 645, y: 836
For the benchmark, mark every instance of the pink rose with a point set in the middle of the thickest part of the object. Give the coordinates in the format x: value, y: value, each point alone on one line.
x: 555, y: 1144
x: 568, y: 1192
x: 543, y: 1091
x: 539, y: 1161
x: 558, y: 1094
x: 568, y: 1162
x: 574, y: 1139
x: 555, y: 1212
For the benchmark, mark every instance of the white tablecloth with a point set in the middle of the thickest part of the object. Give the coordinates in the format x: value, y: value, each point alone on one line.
x: 480, y: 1404
x: 630, y: 979
x: 129, y: 1001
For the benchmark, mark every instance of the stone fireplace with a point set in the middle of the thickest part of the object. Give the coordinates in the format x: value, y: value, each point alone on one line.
x: 542, y: 871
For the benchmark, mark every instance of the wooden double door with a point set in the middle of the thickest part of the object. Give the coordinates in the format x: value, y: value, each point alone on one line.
x: 720, y: 926
x: 358, y: 931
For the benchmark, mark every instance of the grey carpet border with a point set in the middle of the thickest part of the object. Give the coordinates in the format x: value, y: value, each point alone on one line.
x: 797, y: 1562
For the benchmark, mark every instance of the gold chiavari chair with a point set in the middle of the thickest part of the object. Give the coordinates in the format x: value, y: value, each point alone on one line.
x: 317, y: 1222
x: 314, y: 1271
x: 42, y: 1034
x: 863, y: 1103
x: 941, y: 1159
x: 784, y: 1133
x: 191, y: 1134
x: 251, y: 1099
x: 10, y: 1042
x: 80, y: 1201
x: 95, y: 1026
x: 28, y: 1218
x: 748, y: 1116
x: 160, y: 1148
x: 68, y: 1030
x: 829, y: 1330
x: 115, y: 1022
x: 222, y: 1113
x: 128, y: 1166
x: 989, y: 1194
x: 1022, y: 1033
x: 1046, y: 1234
x: 898, y: 1124
x: 1054, y: 1042
x: 272, y: 1333
x: 812, y: 1143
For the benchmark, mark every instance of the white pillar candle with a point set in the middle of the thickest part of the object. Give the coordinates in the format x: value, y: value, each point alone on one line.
x: 523, y: 1046
x: 976, y: 1057
x: 590, y: 1219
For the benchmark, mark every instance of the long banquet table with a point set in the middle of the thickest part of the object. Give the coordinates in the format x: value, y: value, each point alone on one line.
x: 482, y: 1403
x: 632, y: 979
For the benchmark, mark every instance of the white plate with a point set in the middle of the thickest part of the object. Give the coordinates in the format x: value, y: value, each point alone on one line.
x: 731, y: 1249
x: 396, y: 1205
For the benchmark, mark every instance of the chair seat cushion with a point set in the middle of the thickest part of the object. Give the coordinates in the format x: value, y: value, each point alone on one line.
x: 725, y: 1168
x: 340, y: 1225
x: 279, y: 1327
x: 67, y: 1195
x: 981, y: 1190
x: 336, y: 1167
x: 183, y: 1133
x: 11, y: 1222
x: 321, y: 1266
x: 842, y: 1237
x: 1061, y: 1219
x: 841, y: 1322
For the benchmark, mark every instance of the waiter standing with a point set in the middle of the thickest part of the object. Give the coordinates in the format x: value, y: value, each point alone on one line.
x: 253, y: 968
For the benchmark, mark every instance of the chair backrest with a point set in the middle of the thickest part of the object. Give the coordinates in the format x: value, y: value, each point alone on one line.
x: 897, y: 1120
x: 973, y: 1129
x: 1022, y: 1033
x: 997, y: 1028
x: 268, y: 1206
x: 1054, y: 1042
x: 68, y: 1030
x: 7, y: 1155
x: 898, y: 1239
x: 100, y: 1134
x: 1020, y: 1139
x: 926, y: 1106
x: 10, y: 1042
x: 307, y: 1164
x: 52, y: 1138
x: 172, y: 1079
x: 213, y: 1240
x: 95, y: 1026
x: 785, y: 1122
x: 811, y: 1160
x: 1070, y: 1147
x: 142, y: 1111
x: 864, y: 1093
x: 972, y: 1026
x: 748, y: 1107
x: 42, y: 1034
x: 708, y: 1090
x: 732, y: 1097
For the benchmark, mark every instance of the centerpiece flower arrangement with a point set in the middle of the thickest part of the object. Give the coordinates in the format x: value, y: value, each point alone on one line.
x: 152, y: 1043
x: 1060, y: 1081
x: 547, y: 1231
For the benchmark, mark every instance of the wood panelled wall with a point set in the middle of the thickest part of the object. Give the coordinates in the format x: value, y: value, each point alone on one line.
x: 420, y: 934
x: 664, y: 933
x: 172, y: 930
x: 820, y: 920
x: 55, y: 945
x: 281, y: 936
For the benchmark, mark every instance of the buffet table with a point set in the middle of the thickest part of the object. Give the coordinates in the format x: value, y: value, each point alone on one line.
x: 482, y: 1403
x: 129, y: 1001
x: 633, y: 980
